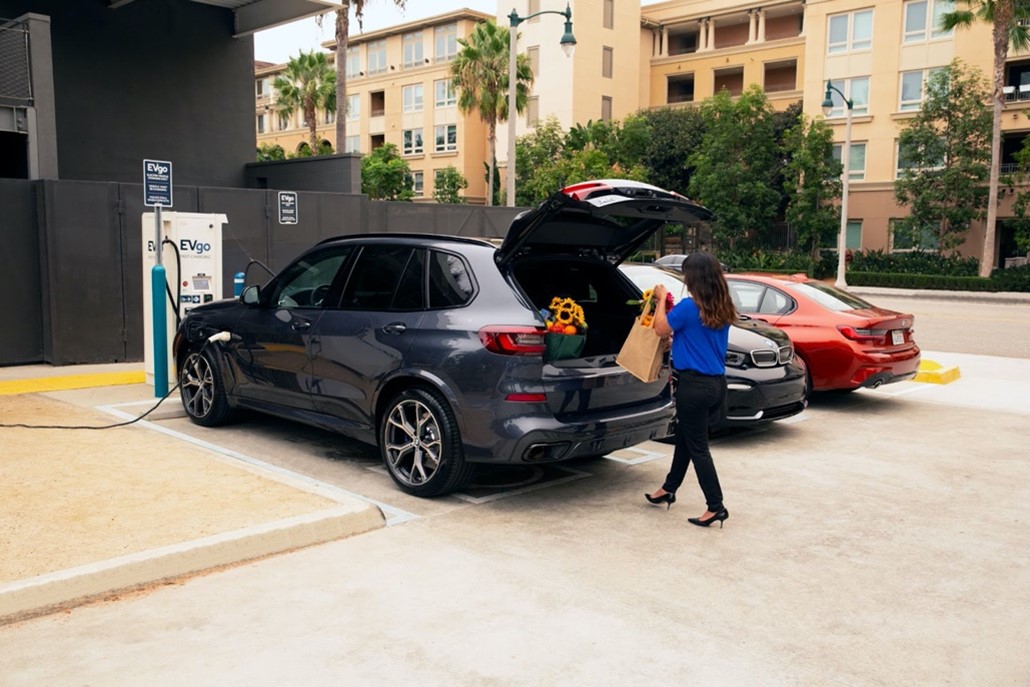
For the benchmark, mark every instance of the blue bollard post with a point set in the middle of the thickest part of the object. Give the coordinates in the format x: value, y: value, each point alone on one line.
x: 237, y: 283
x: 157, y: 292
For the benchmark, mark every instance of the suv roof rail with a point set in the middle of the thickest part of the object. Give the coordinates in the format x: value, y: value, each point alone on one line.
x: 478, y: 240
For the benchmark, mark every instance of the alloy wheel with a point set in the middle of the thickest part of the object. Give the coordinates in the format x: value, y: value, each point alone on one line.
x: 197, y: 385
x: 413, y: 442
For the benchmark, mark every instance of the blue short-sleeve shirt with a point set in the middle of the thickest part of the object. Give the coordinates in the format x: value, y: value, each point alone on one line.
x: 695, y: 346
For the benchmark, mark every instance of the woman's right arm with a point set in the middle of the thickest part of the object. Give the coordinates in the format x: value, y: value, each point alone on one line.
x: 661, y: 322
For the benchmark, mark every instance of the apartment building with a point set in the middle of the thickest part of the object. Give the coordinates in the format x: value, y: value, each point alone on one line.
x: 677, y: 53
x: 399, y: 91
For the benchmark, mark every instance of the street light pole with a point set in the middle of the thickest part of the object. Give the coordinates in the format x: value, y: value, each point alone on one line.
x: 845, y: 159
x: 568, y: 44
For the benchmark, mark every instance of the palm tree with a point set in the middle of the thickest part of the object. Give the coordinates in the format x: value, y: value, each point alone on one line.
x: 480, y: 75
x: 1003, y: 16
x: 342, y: 33
x: 308, y: 83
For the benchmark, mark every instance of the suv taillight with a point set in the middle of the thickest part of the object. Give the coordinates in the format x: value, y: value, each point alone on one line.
x: 513, y: 340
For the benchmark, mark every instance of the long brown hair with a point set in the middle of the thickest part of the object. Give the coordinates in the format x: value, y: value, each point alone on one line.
x: 703, y: 276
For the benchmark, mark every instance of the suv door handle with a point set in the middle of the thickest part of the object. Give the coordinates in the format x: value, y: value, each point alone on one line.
x: 395, y: 328
x: 300, y: 325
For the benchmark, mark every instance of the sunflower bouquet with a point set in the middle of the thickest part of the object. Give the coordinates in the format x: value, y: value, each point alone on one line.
x: 566, y: 328
x: 649, y: 305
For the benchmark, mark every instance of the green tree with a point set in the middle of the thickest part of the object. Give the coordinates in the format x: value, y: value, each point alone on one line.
x: 309, y: 84
x: 945, y: 149
x: 268, y: 151
x: 480, y: 76
x: 385, y: 175
x: 674, y: 134
x: 342, y: 27
x: 812, y: 181
x: 1007, y: 19
x: 737, y: 164
x: 448, y: 185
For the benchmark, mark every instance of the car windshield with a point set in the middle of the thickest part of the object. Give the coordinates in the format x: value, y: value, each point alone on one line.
x: 829, y: 297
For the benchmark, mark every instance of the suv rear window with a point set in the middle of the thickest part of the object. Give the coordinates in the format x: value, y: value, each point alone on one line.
x: 449, y: 281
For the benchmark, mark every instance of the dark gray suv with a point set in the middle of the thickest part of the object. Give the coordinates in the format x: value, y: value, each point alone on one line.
x: 432, y: 347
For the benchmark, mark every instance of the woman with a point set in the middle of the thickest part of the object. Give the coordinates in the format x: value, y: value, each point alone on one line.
x: 700, y: 326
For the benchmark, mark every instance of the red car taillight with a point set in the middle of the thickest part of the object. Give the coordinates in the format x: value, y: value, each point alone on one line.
x: 513, y: 340
x: 862, y: 335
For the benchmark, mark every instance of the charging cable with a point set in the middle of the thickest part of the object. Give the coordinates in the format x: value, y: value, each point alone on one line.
x: 220, y: 337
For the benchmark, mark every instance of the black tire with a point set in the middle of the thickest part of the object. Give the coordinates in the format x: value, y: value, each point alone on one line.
x: 202, y: 390
x: 420, y: 444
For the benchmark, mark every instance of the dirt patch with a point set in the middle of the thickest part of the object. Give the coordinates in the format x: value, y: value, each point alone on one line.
x: 73, y: 497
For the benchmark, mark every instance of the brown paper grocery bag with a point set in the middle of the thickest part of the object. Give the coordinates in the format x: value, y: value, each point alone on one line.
x: 641, y: 354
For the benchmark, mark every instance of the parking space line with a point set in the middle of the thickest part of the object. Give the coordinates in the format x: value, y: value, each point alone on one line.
x: 643, y: 456
x: 394, y: 515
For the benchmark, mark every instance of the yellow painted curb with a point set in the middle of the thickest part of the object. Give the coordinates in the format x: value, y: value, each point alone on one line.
x: 935, y: 373
x: 39, y: 384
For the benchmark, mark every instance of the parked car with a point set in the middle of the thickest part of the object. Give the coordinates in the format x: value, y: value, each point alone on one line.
x: 433, y: 347
x: 846, y: 342
x: 765, y: 380
x: 674, y: 261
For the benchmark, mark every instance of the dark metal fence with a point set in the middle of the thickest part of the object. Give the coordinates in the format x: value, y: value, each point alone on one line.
x: 73, y: 254
x: 15, y: 81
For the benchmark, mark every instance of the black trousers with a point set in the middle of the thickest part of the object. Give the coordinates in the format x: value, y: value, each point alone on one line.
x: 700, y: 402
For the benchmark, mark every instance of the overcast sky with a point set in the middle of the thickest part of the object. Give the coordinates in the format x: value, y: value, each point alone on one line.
x: 278, y: 45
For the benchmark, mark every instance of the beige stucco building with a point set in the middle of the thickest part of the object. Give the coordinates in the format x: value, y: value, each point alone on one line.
x: 677, y: 53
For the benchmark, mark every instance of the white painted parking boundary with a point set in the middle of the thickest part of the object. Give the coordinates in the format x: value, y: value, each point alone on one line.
x: 394, y: 515
x: 642, y: 455
x: 531, y: 484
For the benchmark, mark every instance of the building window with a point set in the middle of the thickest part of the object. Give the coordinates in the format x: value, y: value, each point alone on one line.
x: 352, y: 144
x: 353, y: 62
x: 261, y: 124
x: 377, y: 57
x: 412, y: 98
x: 446, y: 38
x: 445, y: 95
x: 913, y: 88
x: 284, y: 121
x: 412, y: 43
x: 330, y: 116
x: 850, y: 32
x: 923, y: 19
x: 533, y: 111
x: 856, y: 160
x: 609, y: 14
x: 852, y: 237
x: 680, y: 89
x: 261, y: 87
x: 607, y: 58
x: 606, y: 108
x: 533, y: 54
x: 533, y: 8
x: 354, y: 106
x: 417, y: 183
x: 906, y: 165
x: 446, y: 138
x: 905, y: 239
x: 412, y: 142
x: 857, y: 90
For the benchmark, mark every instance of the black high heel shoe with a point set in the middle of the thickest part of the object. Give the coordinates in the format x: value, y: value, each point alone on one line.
x: 720, y: 516
x: 668, y: 497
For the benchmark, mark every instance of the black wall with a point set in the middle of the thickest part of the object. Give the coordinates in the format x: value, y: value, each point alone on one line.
x: 21, y: 326
x: 160, y: 79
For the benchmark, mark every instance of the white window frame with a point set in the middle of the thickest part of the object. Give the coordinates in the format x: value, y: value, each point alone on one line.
x: 285, y: 121
x: 933, y: 10
x: 412, y: 97
x: 859, y: 109
x: 412, y: 142
x: 418, y: 183
x: 352, y: 144
x: 897, y: 162
x: 851, y: 43
x: 924, y: 78
x: 376, y: 57
x: 444, y: 93
x: 413, y: 53
x: 445, y: 132
x: 857, y: 171
x: 445, y: 40
x: 353, y: 66
x: 932, y: 245
x: 262, y: 127
x: 354, y: 106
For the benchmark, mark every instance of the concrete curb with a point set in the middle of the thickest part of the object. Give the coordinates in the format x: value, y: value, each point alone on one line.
x: 975, y: 296
x: 50, y: 592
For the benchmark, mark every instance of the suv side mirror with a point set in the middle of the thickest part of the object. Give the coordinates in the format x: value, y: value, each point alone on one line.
x: 250, y: 295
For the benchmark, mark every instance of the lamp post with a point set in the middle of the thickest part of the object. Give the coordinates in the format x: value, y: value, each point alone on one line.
x: 568, y: 46
x: 845, y: 155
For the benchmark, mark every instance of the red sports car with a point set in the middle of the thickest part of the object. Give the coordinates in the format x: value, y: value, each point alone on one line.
x: 846, y: 342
